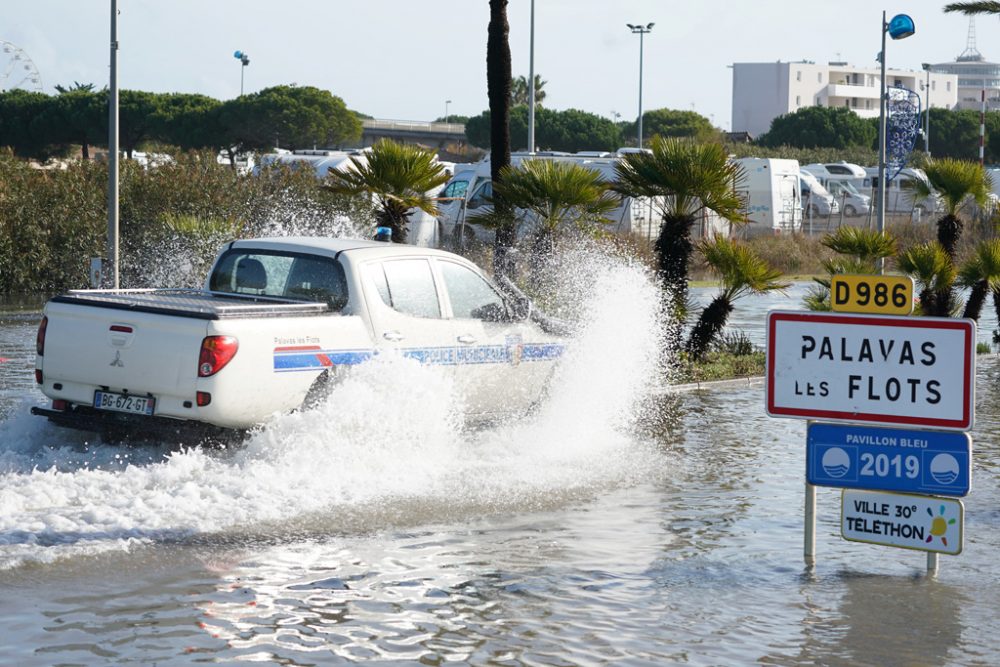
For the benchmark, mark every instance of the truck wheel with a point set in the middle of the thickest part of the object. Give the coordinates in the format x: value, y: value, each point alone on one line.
x: 318, y: 392
x: 814, y: 210
x: 850, y: 211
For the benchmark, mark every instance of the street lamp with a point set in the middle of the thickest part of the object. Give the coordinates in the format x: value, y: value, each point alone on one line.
x: 244, y: 61
x: 446, y: 103
x: 927, y: 110
x: 900, y: 27
x: 641, y: 31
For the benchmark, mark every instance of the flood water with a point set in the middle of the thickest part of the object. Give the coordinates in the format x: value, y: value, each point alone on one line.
x: 608, y: 528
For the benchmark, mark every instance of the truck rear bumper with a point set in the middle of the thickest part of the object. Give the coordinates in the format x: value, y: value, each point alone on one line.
x: 119, y: 427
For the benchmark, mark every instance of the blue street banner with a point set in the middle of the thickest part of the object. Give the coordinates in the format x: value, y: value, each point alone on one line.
x: 889, y: 459
x: 901, y: 128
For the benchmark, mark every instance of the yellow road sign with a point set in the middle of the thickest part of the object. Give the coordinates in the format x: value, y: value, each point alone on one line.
x: 884, y: 295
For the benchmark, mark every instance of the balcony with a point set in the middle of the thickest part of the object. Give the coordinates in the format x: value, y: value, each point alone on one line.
x: 848, y: 90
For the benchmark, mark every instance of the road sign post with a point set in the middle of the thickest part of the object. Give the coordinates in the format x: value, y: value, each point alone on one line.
x: 869, y: 371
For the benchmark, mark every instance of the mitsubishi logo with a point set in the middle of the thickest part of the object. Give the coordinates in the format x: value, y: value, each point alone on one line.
x: 117, y: 360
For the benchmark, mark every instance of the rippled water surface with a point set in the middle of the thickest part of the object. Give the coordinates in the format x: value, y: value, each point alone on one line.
x: 611, y: 527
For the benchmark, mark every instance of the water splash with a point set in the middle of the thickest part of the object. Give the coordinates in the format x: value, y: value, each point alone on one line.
x: 385, y: 448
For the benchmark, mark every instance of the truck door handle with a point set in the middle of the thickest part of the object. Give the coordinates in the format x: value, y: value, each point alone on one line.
x: 467, y: 339
x: 393, y: 336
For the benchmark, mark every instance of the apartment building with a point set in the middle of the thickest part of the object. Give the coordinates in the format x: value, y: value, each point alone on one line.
x: 764, y: 91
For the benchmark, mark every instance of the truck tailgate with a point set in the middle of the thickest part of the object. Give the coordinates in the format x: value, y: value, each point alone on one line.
x: 137, y: 352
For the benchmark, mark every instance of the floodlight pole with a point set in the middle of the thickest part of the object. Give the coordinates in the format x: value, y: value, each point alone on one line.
x: 641, y: 31
x: 113, y: 152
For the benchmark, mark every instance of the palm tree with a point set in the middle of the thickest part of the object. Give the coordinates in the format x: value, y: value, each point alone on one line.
x: 520, y: 94
x: 981, y: 274
x: 934, y: 273
x: 957, y: 181
x: 860, y: 251
x: 741, y: 272
x: 498, y: 92
x: 557, y: 195
x: 973, y: 8
x: 684, y: 179
x: 399, y: 175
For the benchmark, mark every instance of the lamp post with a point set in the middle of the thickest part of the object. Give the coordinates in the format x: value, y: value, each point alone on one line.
x: 244, y: 61
x: 927, y: 111
x: 531, y: 83
x: 446, y: 103
x: 641, y: 31
x: 900, y: 27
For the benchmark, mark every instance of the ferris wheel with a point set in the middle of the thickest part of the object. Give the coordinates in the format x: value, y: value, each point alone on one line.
x: 17, y: 69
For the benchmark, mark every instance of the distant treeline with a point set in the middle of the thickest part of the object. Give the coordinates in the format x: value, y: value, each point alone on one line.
x: 36, y: 125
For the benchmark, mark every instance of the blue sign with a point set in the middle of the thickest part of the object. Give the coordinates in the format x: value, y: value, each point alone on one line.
x: 889, y: 459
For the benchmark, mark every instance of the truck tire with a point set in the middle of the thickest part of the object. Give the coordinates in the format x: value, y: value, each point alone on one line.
x: 319, y: 391
x: 850, y: 211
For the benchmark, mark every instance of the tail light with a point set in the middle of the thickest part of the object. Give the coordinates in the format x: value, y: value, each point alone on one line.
x: 216, y: 352
x: 38, y: 376
x: 203, y: 398
x: 40, y: 337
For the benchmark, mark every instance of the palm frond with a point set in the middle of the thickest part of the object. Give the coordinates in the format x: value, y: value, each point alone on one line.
x: 929, y: 266
x: 984, y: 265
x: 686, y: 177
x: 558, y: 193
x: 393, y: 172
x: 957, y: 181
x: 973, y: 8
x: 865, y: 245
x: 740, y: 270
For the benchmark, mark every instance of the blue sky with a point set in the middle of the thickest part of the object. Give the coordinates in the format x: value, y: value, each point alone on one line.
x: 403, y: 59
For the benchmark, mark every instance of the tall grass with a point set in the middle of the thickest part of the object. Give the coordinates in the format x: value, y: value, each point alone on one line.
x: 172, y: 219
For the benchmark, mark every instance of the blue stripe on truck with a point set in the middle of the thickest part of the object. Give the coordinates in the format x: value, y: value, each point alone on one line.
x: 317, y: 359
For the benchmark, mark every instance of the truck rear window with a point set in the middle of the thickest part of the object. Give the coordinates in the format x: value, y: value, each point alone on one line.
x: 280, y: 274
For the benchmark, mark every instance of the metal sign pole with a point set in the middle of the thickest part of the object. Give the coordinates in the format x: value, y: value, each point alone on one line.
x: 809, y: 546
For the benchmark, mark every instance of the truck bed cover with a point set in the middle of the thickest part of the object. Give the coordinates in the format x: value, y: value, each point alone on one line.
x: 199, y: 304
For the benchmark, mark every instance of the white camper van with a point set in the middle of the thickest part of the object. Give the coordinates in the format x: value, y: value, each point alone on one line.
x: 469, y: 193
x: 838, y: 178
x: 901, y: 195
x: 817, y: 202
x: 772, y: 195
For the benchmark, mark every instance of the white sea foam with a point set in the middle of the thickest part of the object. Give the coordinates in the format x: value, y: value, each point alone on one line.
x: 387, y: 446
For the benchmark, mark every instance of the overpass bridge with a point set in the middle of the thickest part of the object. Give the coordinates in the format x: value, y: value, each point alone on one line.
x: 412, y: 132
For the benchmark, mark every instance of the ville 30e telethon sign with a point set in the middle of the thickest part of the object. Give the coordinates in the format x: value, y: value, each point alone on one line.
x: 916, y: 371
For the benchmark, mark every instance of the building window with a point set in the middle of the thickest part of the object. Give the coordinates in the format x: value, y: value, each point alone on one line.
x: 947, y: 86
x: 819, y: 77
x: 798, y: 100
x: 798, y: 75
x: 933, y: 85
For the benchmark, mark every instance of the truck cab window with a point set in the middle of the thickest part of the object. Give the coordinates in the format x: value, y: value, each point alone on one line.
x: 471, y: 296
x: 407, y: 286
x: 281, y: 275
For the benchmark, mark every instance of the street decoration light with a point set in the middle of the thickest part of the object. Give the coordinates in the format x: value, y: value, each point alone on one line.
x: 244, y: 61
x: 900, y: 27
x: 641, y: 31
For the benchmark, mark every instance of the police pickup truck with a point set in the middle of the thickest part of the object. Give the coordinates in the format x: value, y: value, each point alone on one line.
x: 277, y: 321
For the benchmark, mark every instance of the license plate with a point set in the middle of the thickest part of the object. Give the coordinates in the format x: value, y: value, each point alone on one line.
x: 136, y: 405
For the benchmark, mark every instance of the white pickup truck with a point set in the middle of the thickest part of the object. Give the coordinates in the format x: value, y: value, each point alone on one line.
x: 278, y: 320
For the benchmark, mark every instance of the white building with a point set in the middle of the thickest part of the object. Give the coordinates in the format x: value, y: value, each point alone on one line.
x: 764, y: 91
x: 974, y: 75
